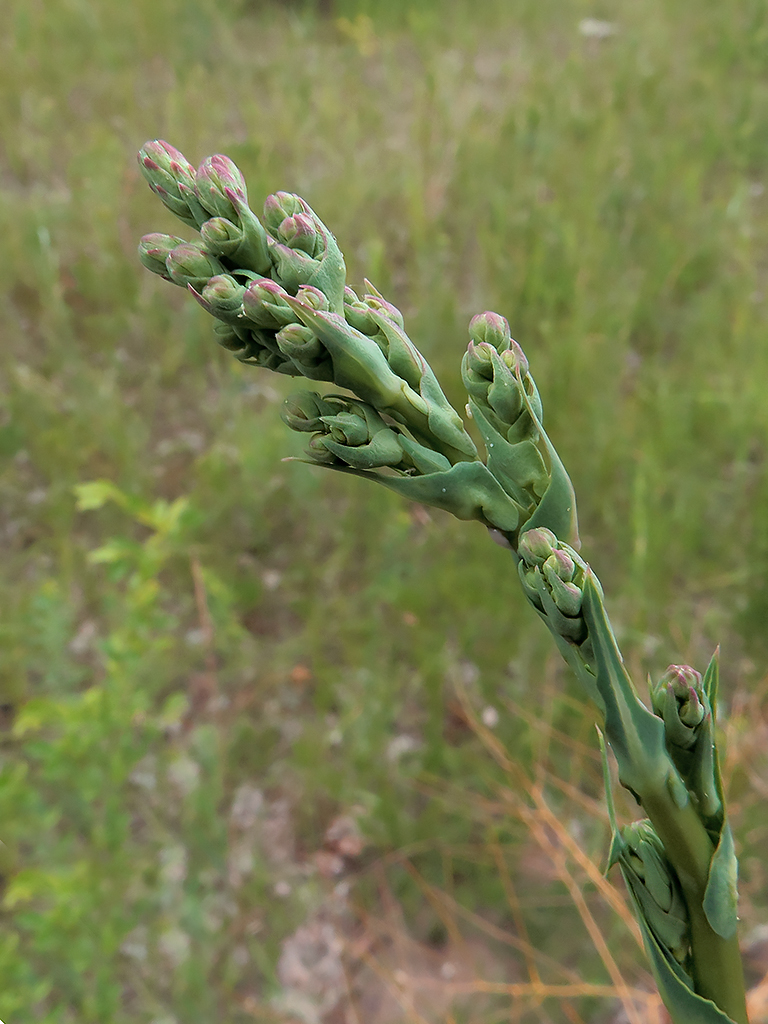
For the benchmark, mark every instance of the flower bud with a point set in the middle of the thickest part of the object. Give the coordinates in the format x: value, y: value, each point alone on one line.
x: 359, y: 313
x: 303, y: 250
x: 165, y: 165
x: 264, y: 304
x: 561, y: 563
x: 567, y: 596
x: 306, y: 350
x: 684, y: 684
x: 299, y: 232
x: 312, y: 297
x: 227, y: 337
x: 292, y: 267
x: 362, y: 445
x: 318, y: 452
x: 379, y: 304
x: 492, y: 329
x: 220, y: 235
x: 515, y: 358
x: 154, y: 250
x: 220, y: 187
x: 189, y: 263
x: 347, y: 428
x: 480, y: 361
x: 299, y: 342
x: 244, y: 245
x: 224, y: 297
x: 536, y: 545
x: 169, y: 174
x: 493, y: 383
x: 303, y: 411
x: 279, y: 206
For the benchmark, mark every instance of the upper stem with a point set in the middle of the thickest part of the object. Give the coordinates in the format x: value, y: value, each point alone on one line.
x: 718, y: 972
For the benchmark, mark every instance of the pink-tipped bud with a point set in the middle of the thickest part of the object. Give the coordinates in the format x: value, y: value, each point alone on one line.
x: 279, y: 206
x: 536, y: 545
x: 515, y: 358
x: 264, y: 304
x: 313, y: 297
x: 561, y: 563
x: 685, y: 684
x: 154, y: 250
x: 220, y: 187
x: 299, y: 232
x: 171, y: 177
x: 480, y: 360
x: 190, y: 264
x: 223, y: 297
x: 162, y: 164
x: 491, y: 328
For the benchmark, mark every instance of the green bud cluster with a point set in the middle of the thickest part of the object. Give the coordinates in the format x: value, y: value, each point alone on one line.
x: 554, y: 578
x: 684, y: 701
x: 277, y: 289
x: 654, y: 887
x: 506, y: 406
x: 351, y: 434
x: 552, y: 575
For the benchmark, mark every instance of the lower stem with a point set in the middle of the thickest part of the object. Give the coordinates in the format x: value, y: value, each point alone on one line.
x: 718, y: 972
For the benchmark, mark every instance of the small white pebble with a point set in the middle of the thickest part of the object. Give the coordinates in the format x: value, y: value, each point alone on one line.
x: 271, y: 579
x: 594, y: 28
x: 490, y: 717
x: 399, y: 745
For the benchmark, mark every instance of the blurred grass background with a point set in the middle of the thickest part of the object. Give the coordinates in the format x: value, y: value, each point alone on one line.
x: 276, y: 747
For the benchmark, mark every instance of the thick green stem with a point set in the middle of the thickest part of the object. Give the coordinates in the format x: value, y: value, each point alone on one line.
x: 645, y: 768
x: 718, y: 973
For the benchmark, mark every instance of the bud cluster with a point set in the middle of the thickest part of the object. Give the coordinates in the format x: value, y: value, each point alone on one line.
x: 655, y: 888
x: 276, y: 287
x: 505, y: 404
x: 552, y: 575
x: 684, y: 701
x: 351, y: 434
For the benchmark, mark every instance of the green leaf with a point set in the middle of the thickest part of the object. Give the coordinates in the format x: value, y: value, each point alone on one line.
x: 96, y: 493
x: 516, y: 466
x: 467, y: 490
x: 557, y: 508
x: 576, y: 656
x: 635, y: 734
x: 617, y: 843
x: 116, y: 550
x: 164, y: 516
x: 721, y: 896
x: 711, y: 680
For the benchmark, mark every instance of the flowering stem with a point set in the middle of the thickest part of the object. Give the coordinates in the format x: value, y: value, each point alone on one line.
x: 279, y: 293
x: 716, y: 963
